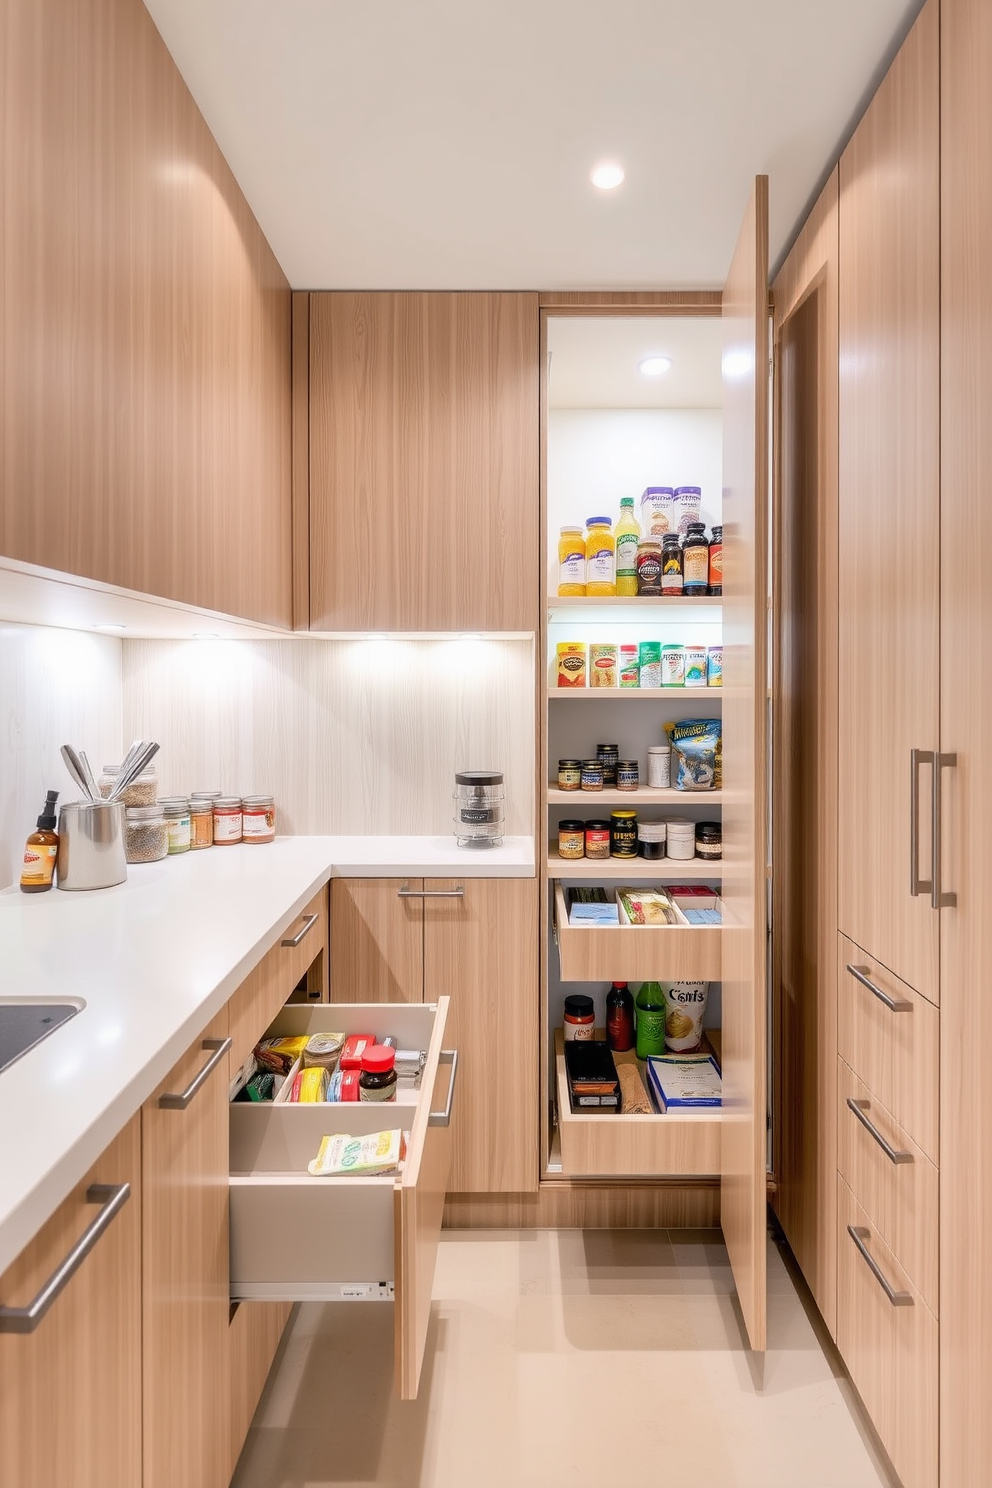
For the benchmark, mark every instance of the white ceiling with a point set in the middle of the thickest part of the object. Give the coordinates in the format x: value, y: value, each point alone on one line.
x: 448, y: 143
x: 594, y: 361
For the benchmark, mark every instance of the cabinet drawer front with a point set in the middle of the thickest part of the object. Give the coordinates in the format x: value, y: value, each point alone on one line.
x: 891, y: 1351
x: 263, y: 993
x: 601, y: 953
x: 611, y: 1146
x: 898, y: 1190
x: 298, y: 1238
x: 895, y: 1053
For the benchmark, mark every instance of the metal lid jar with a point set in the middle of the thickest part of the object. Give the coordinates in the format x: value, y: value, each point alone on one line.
x: 141, y: 792
x: 258, y: 819
x: 146, y: 837
x: 175, y: 809
x: 227, y: 821
x: 479, y: 798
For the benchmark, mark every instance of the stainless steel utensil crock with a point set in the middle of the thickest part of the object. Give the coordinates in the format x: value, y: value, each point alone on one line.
x: 91, y: 845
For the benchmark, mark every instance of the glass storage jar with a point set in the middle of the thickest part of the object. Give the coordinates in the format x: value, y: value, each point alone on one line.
x: 227, y: 820
x: 146, y: 837
x: 175, y: 809
x: 258, y: 819
x: 141, y: 792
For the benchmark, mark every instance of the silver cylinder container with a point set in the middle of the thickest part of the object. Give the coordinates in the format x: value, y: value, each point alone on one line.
x: 480, y: 800
x: 91, y: 845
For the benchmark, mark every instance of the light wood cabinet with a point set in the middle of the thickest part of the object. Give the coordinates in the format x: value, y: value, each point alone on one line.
x: 186, y: 1376
x: 890, y: 521
x: 145, y: 392
x: 424, y: 458
x: 70, y: 1391
x: 377, y: 939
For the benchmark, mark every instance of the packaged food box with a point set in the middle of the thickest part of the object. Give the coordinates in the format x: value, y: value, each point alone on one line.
x: 345, y: 1156
x: 309, y: 1085
x: 647, y: 907
x: 692, y: 896
x: 354, y: 1047
x: 684, y: 1082
x: 603, y: 666
x: 280, y: 1054
x: 571, y: 664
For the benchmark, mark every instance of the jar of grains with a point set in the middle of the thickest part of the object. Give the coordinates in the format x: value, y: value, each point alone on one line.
x: 146, y: 837
x: 227, y: 820
x: 258, y: 819
x: 141, y: 792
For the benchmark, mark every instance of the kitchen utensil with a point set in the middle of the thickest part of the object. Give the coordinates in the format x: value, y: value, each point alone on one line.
x: 74, y: 765
x: 92, y: 789
x: 137, y: 762
x: 91, y: 845
x: 130, y: 757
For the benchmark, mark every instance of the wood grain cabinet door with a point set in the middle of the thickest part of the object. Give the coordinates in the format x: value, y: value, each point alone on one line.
x: 185, y: 1270
x: 70, y: 1391
x: 481, y: 950
x: 889, y: 500
x: 377, y: 940
x: 424, y: 461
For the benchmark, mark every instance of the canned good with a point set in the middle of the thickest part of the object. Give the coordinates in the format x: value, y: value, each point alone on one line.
x: 569, y: 774
x: 571, y: 839
x: 592, y: 774
x: 597, y: 839
x: 623, y: 834
x: 627, y: 775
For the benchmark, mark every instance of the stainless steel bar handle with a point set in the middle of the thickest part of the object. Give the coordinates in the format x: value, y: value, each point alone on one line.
x: 939, y: 899
x: 917, y: 885
x: 859, y: 1235
x: 443, y: 1118
x: 180, y: 1102
x: 111, y: 1197
x: 894, y: 1154
x: 894, y: 1004
x: 308, y: 923
x: 404, y: 893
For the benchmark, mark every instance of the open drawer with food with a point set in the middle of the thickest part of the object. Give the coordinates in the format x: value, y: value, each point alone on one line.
x: 296, y: 1236
x: 592, y: 950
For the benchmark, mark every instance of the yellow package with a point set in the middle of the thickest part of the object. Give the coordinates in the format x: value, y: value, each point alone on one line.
x: 280, y: 1054
x: 603, y: 666
x: 344, y: 1156
x: 310, y: 1085
x: 571, y: 664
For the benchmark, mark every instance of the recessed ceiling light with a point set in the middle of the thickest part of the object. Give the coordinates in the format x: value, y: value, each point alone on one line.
x: 110, y: 627
x: 206, y: 635
x: 607, y: 175
x: 654, y: 366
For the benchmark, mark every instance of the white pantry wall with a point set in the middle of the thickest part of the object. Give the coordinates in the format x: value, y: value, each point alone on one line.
x: 350, y: 736
x: 56, y: 687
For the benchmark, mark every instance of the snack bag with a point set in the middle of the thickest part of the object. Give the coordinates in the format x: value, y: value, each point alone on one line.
x: 697, y: 747
x: 685, y: 1005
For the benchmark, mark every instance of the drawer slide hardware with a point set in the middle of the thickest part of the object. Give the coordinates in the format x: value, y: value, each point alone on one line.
x: 860, y: 1107
x: 859, y: 1235
x: 308, y: 923
x: 180, y: 1102
x: 443, y: 1118
x: 112, y: 1197
x: 894, y: 1004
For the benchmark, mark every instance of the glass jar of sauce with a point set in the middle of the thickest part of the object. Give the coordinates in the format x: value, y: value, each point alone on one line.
x: 695, y: 561
x: 569, y: 774
x: 628, y: 775
x: 580, y: 1018
x: 597, y: 839
x: 258, y: 819
x: 608, y: 755
x: 592, y: 774
x: 377, y: 1081
x: 648, y: 568
x: 671, y: 565
x: 227, y: 820
x: 571, y: 839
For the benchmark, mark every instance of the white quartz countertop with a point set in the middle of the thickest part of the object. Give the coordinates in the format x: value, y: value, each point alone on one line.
x: 152, y: 961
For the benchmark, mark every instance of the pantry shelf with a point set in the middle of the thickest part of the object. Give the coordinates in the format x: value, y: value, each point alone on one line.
x: 634, y: 870
x: 635, y: 694
x: 638, y: 602
x: 645, y: 795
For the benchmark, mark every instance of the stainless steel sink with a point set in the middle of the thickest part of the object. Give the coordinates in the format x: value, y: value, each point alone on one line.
x: 24, y: 1024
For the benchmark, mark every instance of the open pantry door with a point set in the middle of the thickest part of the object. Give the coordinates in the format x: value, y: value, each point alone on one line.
x: 745, y: 530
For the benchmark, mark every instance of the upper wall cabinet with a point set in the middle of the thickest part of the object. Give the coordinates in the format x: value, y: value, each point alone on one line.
x: 424, y: 461
x: 146, y: 389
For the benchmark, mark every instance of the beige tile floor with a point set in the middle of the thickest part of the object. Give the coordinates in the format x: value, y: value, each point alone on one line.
x: 559, y: 1358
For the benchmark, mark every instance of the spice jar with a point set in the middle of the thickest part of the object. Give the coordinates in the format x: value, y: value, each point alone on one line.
x: 580, y: 1018
x: 648, y: 568
x: 569, y: 774
x: 659, y: 766
x: 597, y: 839
x: 258, y: 819
x: 227, y: 820
x: 201, y: 822
x: 628, y: 775
x: 146, y: 837
x: 695, y: 561
x: 141, y: 792
x: 680, y: 840
x: 592, y: 774
x: 175, y: 809
x: 651, y: 840
x: 709, y: 840
x: 608, y: 755
x: 623, y: 834
x: 571, y: 839
x: 377, y: 1081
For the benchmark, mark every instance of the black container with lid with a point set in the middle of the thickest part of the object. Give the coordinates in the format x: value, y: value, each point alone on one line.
x: 569, y: 774
x: 695, y: 561
x: 709, y: 840
x: 608, y: 755
x: 580, y: 1017
x: 671, y: 564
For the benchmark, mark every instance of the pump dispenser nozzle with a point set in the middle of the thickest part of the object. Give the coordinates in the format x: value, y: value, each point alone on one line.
x: 46, y: 821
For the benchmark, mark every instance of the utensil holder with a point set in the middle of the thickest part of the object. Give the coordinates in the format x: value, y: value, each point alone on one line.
x: 91, y: 845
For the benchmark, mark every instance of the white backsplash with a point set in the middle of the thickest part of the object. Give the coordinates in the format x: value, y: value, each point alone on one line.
x: 56, y: 687
x: 350, y: 736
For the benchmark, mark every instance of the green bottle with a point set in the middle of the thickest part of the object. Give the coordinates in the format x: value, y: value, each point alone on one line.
x: 650, y: 1005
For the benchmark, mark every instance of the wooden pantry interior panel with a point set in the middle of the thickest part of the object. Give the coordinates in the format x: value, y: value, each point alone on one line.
x: 146, y: 390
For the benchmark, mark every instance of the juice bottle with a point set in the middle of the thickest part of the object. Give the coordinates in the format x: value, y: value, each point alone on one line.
x: 571, y: 562
x: 628, y: 535
x: 650, y: 1005
x: 601, y: 557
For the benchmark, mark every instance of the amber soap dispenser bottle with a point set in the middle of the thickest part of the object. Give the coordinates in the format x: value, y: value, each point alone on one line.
x: 41, y: 850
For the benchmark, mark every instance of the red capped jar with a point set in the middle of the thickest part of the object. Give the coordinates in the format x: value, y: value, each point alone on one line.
x: 377, y: 1081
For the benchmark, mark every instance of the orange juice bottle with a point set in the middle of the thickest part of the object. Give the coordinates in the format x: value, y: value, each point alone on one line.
x: 601, y: 557
x: 571, y: 563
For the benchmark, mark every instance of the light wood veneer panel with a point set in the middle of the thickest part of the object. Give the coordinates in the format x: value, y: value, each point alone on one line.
x: 590, y: 1206
x: 891, y: 1352
x: 70, y: 1393
x: 896, y: 1054
x: 901, y: 1198
x: 146, y: 348
x: 185, y: 1245
x: 268, y: 987
x: 597, y: 953
x: 424, y: 454
x: 745, y: 481
x: 890, y: 518
x: 377, y: 941
x: 254, y: 1334
x: 966, y: 665
x: 805, y: 685
x: 482, y: 952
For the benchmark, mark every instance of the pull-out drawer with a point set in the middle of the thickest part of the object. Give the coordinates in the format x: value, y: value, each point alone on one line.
x: 891, y: 1177
x: 269, y: 986
x: 602, y: 953
x: 890, y: 1037
x: 299, y: 1238
x: 608, y: 1145
x: 888, y: 1337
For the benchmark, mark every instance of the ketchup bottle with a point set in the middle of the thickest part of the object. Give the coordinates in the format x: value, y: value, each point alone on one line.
x: 619, y: 1018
